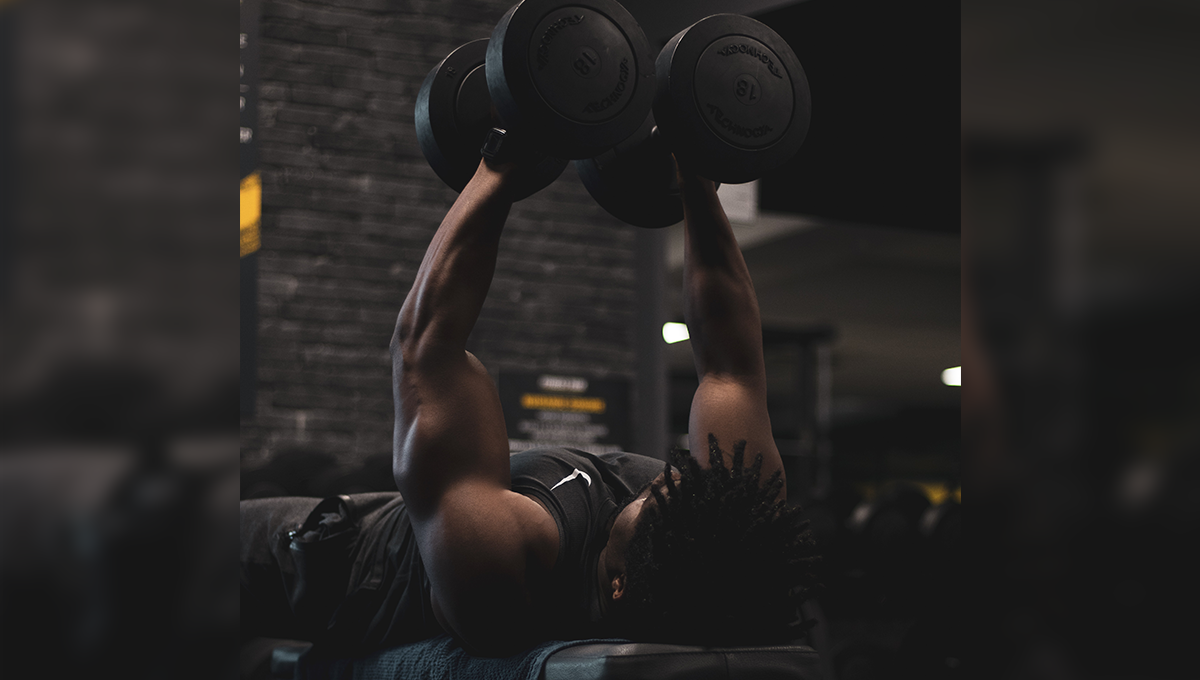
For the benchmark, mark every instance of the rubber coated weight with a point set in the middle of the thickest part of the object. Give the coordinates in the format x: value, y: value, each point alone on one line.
x: 453, y: 115
x: 732, y: 100
x: 636, y: 180
x: 450, y: 117
x: 578, y: 72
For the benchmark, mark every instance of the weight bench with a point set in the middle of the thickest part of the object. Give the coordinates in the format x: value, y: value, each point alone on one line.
x: 440, y: 659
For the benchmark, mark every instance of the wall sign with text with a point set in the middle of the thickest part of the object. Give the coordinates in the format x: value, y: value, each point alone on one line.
x: 542, y: 410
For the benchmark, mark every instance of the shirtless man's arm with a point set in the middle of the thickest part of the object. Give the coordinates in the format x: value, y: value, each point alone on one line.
x: 483, y: 545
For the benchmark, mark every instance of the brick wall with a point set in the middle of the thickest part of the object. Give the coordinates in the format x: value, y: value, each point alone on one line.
x: 349, y: 206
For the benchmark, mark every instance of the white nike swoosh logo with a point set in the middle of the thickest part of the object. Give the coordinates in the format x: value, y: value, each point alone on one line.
x: 573, y: 475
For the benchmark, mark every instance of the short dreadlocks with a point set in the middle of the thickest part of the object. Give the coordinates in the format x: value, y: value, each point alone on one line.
x: 719, y: 559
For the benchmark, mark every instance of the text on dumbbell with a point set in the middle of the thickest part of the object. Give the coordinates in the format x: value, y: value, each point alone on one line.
x: 588, y: 63
x: 746, y: 89
x: 739, y: 130
x: 543, y: 52
x: 754, y: 52
x: 615, y: 95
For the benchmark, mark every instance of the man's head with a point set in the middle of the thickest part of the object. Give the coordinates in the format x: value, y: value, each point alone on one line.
x: 708, y: 557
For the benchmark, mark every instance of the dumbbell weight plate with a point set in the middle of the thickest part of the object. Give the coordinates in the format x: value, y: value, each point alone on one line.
x: 578, y: 73
x: 635, y: 181
x: 732, y: 98
x: 453, y: 114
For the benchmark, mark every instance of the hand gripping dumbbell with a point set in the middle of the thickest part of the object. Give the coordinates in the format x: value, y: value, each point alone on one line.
x: 732, y: 102
x: 560, y: 80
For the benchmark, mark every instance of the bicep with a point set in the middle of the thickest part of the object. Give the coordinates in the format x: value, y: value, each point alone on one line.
x: 733, y: 409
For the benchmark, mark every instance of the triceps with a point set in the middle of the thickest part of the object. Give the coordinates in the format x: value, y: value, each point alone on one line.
x: 449, y: 428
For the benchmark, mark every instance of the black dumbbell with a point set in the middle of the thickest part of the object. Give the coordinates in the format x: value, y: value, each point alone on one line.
x: 568, y: 80
x: 581, y: 74
x: 732, y: 101
x: 454, y: 115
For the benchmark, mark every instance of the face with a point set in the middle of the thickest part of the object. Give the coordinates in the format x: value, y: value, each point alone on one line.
x: 611, y: 568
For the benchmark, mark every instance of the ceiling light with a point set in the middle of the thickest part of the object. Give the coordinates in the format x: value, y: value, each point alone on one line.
x: 950, y: 376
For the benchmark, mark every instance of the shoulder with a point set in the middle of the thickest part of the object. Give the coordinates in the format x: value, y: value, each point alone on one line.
x: 487, y: 558
x: 490, y: 530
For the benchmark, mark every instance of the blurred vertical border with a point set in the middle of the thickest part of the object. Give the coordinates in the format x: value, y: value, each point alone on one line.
x: 1081, y: 396
x: 250, y: 191
x: 118, y: 340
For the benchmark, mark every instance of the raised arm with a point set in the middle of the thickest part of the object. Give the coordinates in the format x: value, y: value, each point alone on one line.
x: 434, y: 377
x: 722, y: 315
x: 482, y: 544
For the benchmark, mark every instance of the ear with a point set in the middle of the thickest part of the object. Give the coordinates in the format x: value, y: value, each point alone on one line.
x: 618, y: 586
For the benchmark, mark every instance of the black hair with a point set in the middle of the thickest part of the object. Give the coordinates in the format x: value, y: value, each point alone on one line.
x: 719, y: 559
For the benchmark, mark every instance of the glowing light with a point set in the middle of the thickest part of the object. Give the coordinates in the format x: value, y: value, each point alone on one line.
x: 952, y: 376
x: 675, y: 332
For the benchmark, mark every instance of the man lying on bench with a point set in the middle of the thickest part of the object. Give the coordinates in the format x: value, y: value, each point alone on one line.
x: 503, y: 552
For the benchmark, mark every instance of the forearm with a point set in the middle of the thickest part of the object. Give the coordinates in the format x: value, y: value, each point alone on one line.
x: 453, y: 280
x: 720, y: 306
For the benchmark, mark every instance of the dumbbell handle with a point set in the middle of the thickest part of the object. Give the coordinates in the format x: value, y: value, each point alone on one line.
x: 657, y: 140
x: 503, y: 146
x: 658, y: 144
x: 494, y: 147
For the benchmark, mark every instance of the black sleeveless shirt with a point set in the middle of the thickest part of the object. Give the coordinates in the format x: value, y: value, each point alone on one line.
x: 582, y: 492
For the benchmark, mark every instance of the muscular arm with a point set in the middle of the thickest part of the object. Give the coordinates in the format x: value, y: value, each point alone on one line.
x: 482, y: 543
x: 433, y: 376
x: 722, y: 315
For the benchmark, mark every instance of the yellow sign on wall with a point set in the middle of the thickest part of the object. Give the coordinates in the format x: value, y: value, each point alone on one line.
x: 555, y: 402
x: 251, y: 213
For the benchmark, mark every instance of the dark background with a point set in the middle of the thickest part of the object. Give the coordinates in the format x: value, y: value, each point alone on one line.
x: 883, y: 143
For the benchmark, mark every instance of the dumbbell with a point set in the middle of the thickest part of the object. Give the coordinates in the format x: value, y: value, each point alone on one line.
x: 635, y: 181
x: 454, y: 115
x: 566, y: 80
x: 732, y: 102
